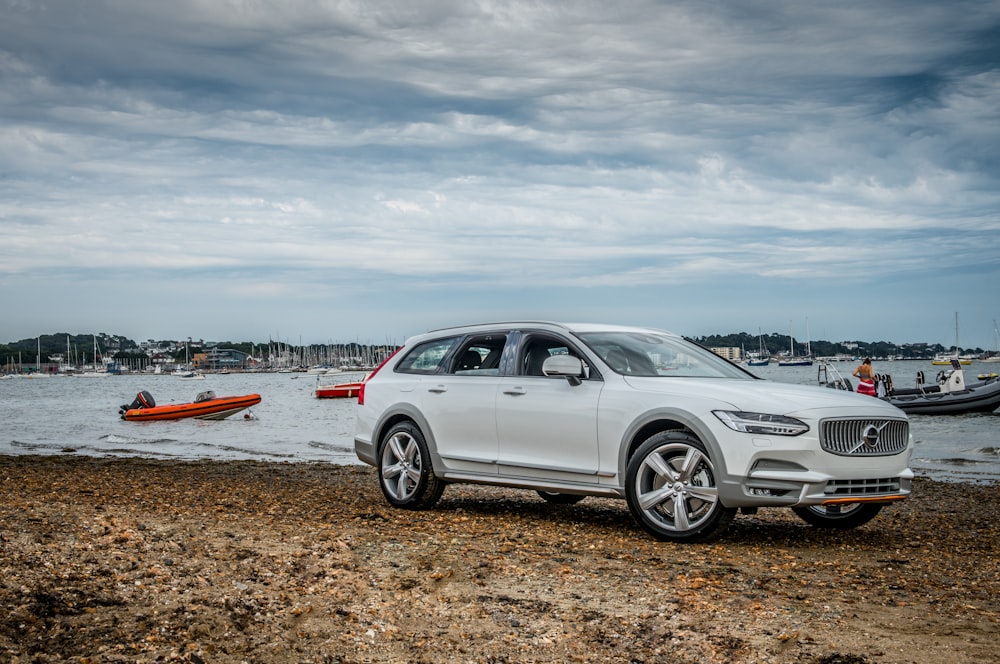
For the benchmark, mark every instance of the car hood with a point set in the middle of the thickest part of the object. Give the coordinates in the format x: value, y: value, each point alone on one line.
x: 765, y: 396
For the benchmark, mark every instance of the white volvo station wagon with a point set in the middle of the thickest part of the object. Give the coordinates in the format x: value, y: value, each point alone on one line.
x: 684, y: 436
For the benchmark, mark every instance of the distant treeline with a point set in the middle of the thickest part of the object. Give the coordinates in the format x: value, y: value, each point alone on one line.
x: 775, y: 343
x: 76, y: 348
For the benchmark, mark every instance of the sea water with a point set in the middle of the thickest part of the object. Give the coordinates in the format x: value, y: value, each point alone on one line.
x: 80, y: 415
x: 77, y: 415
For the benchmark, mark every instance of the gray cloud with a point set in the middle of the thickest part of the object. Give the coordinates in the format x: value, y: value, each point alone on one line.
x: 538, y: 153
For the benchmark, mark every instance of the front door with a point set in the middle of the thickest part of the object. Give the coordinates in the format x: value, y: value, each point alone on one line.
x: 547, y: 427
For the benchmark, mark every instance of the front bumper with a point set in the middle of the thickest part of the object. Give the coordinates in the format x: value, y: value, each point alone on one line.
x: 769, y: 487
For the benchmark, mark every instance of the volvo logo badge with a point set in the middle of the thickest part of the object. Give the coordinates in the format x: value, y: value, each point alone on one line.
x: 871, y: 436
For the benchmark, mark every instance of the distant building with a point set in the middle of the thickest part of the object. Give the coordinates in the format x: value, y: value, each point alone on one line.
x: 731, y: 353
x: 217, y: 359
x: 160, y: 359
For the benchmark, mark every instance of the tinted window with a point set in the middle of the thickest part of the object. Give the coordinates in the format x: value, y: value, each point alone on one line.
x: 427, y: 357
x: 480, y: 356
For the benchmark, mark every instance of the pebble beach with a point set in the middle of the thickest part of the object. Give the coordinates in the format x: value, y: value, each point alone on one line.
x: 139, y: 560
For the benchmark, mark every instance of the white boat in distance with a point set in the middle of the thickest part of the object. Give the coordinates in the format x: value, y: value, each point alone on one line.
x: 791, y: 360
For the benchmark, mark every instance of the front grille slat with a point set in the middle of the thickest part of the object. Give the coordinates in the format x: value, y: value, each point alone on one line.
x: 864, y: 437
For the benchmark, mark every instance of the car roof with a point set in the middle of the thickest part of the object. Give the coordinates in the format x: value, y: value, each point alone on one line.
x: 535, y: 324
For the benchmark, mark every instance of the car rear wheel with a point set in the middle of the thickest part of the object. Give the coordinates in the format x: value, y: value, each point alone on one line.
x: 672, y: 491
x: 843, y: 516
x: 404, y: 469
x: 560, y: 498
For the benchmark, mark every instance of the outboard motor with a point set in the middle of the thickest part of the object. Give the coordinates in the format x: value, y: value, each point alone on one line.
x: 142, y: 400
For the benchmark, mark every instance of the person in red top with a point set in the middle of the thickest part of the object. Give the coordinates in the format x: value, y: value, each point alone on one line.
x: 866, y: 378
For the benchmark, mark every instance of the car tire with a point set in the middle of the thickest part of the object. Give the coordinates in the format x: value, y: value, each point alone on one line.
x: 842, y: 516
x: 672, y: 490
x: 560, y: 498
x: 404, y: 469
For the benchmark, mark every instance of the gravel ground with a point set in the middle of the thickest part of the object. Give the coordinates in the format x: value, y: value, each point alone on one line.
x: 134, y: 560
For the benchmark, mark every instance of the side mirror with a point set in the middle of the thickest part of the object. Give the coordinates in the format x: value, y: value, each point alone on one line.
x: 564, y: 365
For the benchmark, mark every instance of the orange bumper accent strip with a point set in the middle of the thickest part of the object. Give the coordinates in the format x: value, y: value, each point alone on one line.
x: 862, y: 499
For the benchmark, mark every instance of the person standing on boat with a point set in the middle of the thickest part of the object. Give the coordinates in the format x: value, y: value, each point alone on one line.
x: 866, y: 378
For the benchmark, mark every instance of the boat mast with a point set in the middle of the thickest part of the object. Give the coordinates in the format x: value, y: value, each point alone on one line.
x: 956, y: 334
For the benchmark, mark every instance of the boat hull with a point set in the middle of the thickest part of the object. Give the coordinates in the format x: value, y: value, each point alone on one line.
x: 976, y: 398
x: 341, y: 391
x: 218, y: 408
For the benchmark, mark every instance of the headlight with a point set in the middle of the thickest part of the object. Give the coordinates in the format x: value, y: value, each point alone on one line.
x: 762, y: 423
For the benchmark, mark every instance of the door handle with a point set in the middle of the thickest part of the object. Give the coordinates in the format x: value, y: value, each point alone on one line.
x: 437, y: 389
x: 515, y: 391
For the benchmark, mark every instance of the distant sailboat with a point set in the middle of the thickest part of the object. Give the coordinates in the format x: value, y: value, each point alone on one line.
x: 945, y: 360
x: 763, y: 357
x: 792, y: 360
x: 96, y: 373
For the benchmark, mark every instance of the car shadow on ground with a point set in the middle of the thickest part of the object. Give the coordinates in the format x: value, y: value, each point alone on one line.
x: 773, y: 527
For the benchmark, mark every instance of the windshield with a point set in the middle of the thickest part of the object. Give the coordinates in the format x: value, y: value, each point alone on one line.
x: 635, y: 353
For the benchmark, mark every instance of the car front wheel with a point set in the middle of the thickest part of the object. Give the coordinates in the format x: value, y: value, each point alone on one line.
x: 843, y: 516
x: 404, y: 469
x: 672, y: 491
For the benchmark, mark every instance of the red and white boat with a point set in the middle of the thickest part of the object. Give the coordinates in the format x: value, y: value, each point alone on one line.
x: 338, y: 391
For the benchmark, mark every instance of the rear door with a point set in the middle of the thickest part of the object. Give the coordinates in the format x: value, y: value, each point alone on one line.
x: 459, y: 404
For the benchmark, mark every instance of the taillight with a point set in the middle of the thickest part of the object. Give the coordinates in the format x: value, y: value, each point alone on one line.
x: 361, y: 390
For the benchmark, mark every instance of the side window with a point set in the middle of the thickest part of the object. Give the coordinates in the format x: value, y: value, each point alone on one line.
x: 427, y: 357
x: 480, y: 356
x: 537, y: 349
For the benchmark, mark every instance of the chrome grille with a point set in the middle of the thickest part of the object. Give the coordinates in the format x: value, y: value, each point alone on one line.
x: 862, y: 487
x: 868, y: 437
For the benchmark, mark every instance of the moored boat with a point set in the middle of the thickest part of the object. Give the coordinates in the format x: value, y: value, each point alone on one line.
x: 190, y: 375
x: 206, y: 406
x: 338, y: 391
x: 946, y: 360
x: 796, y: 362
x: 763, y: 357
x: 949, y: 395
x: 792, y: 360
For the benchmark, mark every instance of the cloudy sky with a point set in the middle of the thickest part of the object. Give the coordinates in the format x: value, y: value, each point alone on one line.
x: 365, y: 170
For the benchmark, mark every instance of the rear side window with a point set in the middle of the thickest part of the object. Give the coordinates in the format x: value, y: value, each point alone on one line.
x: 480, y: 356
x: 427, y: 358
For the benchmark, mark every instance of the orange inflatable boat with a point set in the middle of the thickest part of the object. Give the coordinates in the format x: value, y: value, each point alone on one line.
x: 206, y: 406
